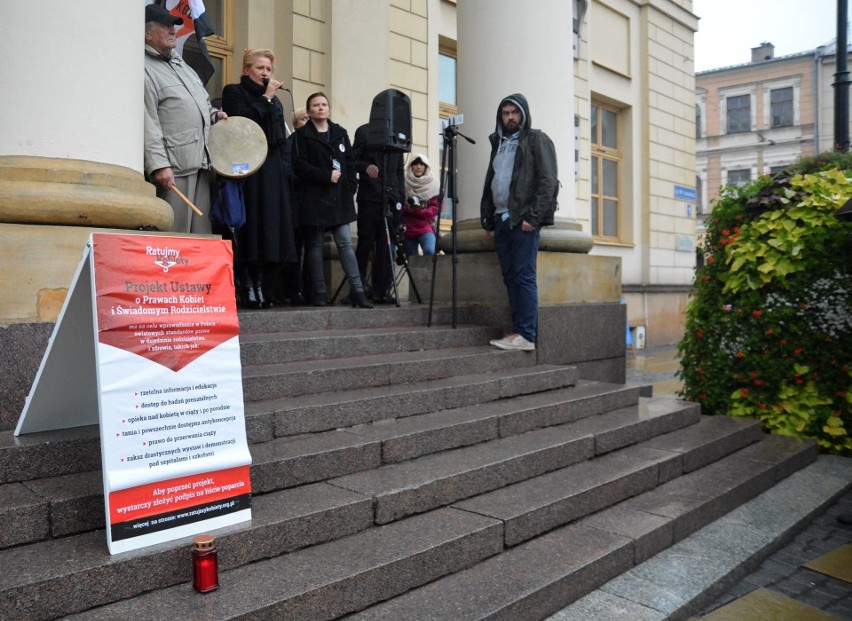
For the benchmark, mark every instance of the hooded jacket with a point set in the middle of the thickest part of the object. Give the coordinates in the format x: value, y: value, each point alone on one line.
x: 534, y: 185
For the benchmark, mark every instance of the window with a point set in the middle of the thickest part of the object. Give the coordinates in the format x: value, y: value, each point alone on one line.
x: 447, y: 107
x: 739, y: 114
x: 781, y: 107
x: 697, y: 121
x: 739, y: 176
x: 699, y: 195
x: 773, y: 170
x: 606, y: 168
x: 580, y: 7
x: 448, y: 104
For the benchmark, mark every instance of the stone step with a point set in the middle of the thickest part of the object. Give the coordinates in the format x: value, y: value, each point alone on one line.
x: 411, y: 437
x: 273, y: 347
x: 73, y: 503
x: 272, y: 381
x: 53, y: 578
x: 546, y: 574
x: 427, y: 482
x: 346, y: 318
x: 346, y: 408
x: 327, y: 581
x: 481, y: 578
x: 537, y: 505
x: 686, y: 578
x: 689, y: 503
x: 51, y: 454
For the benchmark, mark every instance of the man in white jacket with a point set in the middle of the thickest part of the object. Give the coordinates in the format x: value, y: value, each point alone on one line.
x: 178, y: 115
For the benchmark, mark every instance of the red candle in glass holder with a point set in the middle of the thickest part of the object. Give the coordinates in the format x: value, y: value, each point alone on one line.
x: 205, y: 564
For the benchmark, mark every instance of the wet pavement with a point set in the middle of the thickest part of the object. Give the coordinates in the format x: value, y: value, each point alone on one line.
x: 762, y: 595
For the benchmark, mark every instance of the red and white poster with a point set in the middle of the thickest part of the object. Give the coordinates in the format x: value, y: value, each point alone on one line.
x: 173, y: 439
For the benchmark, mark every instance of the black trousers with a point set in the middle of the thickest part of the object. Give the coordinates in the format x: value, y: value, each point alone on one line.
x: 373, y: 241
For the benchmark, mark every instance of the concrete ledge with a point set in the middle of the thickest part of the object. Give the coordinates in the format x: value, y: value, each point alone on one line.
x: 563, y: 278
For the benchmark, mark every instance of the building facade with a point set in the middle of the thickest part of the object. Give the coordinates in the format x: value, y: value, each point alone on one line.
x: 758, y: 118
x: 615, y: 92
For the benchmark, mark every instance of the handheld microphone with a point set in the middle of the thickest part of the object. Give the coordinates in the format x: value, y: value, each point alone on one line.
x: 280, y: 88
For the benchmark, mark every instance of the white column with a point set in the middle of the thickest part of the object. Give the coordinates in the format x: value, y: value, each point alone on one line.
x: 72, y: 105
x: 72, y: 76
x: 506, y: 48
x: 71, y: 143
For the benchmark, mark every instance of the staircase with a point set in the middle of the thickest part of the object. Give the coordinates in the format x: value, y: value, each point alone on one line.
x: 400, y: 472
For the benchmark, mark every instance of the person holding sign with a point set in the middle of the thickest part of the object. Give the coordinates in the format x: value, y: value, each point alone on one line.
x: 325, y: 169
x: 178, y: 115
x: 266, y: 242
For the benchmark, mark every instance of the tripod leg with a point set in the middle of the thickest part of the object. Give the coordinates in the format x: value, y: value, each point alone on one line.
x: 411, y: 281
x: 391, y: 259
x: 338, y: 290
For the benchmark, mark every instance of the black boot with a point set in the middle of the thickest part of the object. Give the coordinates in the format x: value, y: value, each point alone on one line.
x: 320, y: 298
x: 359, y: 299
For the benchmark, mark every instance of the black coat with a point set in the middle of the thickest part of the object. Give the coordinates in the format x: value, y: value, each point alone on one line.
x: 370, y: 190
x: 324, y: 203
x: 267, y: 237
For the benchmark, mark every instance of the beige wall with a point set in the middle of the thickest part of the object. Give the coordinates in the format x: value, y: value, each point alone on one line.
x: 763, y: 147
x: 638, y: 57
x: 826, y: 68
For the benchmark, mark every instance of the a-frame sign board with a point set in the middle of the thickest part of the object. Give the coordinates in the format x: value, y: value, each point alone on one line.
x: 147, y: 347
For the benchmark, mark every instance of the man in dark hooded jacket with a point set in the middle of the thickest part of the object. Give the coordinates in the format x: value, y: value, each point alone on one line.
x: 518, y: 199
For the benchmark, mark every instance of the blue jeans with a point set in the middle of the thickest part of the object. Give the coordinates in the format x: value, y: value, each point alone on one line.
x: 517, y: 252
x: 425, y: 241
x: 314, y: 236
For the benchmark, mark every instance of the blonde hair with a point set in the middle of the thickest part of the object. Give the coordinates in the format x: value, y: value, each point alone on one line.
x: 250, y: 55
x: 297, y: 113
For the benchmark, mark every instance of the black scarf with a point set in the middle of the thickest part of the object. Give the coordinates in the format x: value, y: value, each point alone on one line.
x: 274, y: 123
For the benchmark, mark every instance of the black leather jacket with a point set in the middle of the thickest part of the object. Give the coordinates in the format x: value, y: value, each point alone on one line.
x: 532, y: 194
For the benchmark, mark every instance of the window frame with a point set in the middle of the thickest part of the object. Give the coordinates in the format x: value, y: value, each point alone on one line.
x: 599, y: 155
x: 740, y: 121
x: 448, y: 47
x: 221, y: 46
x: 737, y: 170
x: 787, y: 106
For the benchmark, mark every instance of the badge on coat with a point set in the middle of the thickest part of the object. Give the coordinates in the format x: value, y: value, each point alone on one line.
x: 342, y: 148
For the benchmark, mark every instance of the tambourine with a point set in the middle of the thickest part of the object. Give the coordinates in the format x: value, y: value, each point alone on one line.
x: 237, y: 147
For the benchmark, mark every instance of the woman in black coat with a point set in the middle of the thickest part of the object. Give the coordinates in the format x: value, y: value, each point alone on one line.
x: 266, y: 242
x: 325, y: 170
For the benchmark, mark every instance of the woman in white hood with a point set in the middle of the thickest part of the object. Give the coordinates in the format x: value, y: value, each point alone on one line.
x: 422, y: 206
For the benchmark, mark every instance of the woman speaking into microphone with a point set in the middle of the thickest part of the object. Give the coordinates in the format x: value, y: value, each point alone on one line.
x: 266, y: 241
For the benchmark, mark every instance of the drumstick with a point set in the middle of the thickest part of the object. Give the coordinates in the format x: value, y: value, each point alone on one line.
x: 187, y: 201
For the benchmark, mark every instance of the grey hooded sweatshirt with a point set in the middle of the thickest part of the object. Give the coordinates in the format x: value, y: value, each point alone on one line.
x: 522, y: 173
